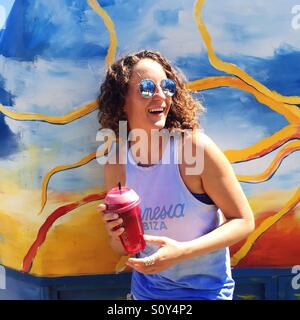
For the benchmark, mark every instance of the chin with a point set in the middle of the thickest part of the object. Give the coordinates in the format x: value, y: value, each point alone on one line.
x: 160, y: 124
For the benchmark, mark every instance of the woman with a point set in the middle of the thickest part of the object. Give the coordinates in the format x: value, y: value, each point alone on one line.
x: 187, y: 254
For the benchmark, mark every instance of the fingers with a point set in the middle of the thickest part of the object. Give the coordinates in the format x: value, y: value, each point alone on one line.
x: 109, y: 216
x: 113, y: 227
x: 140, y: 264
x: 154, y: 239
x: 101, y: 207
x: 112, y: 221
x: 115, y: 233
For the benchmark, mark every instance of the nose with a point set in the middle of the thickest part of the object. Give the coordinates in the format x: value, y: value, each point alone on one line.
x: 159, y: 92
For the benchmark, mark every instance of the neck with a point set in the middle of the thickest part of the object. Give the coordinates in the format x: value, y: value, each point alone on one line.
x: 144, y: 146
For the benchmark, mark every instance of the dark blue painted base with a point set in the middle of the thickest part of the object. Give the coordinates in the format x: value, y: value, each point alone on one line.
x: 19, y: 286
x: 251, y: 284
x: 266, y: 284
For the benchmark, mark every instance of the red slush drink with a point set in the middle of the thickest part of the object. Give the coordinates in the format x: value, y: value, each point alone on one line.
x: 126, y: 203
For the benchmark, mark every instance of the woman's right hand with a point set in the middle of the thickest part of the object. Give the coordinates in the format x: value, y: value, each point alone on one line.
x: 112, y: 222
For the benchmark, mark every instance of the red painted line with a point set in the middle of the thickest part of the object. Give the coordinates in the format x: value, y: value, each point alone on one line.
x: 42, y: 233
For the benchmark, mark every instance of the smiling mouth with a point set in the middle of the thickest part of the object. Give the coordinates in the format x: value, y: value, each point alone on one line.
x: 156, y: 110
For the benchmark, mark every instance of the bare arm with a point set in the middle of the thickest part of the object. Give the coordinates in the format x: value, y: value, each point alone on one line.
x: 113, y: 174
x: 222, y: 186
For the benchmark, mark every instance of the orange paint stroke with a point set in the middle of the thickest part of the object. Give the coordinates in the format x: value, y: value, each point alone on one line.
x: 290, y: 112
x: 63, y: 119
x: 230, y: 67
x: 272, y: 168
x: 278, y: 247
x: 265, y: 145
x: 42, y: 233
x: 263, y: 227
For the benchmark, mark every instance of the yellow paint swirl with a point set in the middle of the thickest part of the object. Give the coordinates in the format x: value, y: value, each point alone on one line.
x: 63, y: 119
x: 284, y: 152
x: 231, y: 68
x: 111, y: 30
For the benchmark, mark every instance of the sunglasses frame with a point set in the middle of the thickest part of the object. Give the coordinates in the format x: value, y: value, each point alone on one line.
x: 166, y: 92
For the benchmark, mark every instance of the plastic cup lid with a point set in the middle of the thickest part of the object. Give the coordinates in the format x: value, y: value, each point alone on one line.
x: 117, y: 196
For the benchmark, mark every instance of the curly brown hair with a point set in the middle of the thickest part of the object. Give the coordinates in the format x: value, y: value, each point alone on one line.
x: 182, y: 115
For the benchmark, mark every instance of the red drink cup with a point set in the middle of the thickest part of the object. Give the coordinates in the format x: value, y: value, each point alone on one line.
x: 126, y: 203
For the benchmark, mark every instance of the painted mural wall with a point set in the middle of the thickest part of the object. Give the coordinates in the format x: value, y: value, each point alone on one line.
x: 241, y: 58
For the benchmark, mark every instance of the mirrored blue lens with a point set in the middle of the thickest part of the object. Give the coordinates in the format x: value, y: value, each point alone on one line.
x: 147, y: 88
x: 168, y: 87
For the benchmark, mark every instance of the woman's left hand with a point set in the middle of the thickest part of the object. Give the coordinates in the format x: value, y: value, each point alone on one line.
x: 170, y: 253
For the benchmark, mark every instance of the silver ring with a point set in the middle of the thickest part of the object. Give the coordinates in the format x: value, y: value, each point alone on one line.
x: 149, y: 261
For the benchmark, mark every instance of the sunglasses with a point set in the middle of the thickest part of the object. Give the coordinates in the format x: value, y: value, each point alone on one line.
x: 148, y: 87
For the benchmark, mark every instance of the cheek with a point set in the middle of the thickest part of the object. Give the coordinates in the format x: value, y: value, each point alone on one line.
x: 129, y: 107
x: 135, y: 107
x: 134, y: 112
x: 169, y: 102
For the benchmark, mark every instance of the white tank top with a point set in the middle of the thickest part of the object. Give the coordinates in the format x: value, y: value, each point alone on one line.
x: 169, y: 209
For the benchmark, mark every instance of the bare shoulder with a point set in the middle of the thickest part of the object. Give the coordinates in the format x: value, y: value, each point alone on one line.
x: 215, y: 161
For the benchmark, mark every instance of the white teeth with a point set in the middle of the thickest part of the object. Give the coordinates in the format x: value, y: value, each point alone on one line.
x: 157, y: 109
